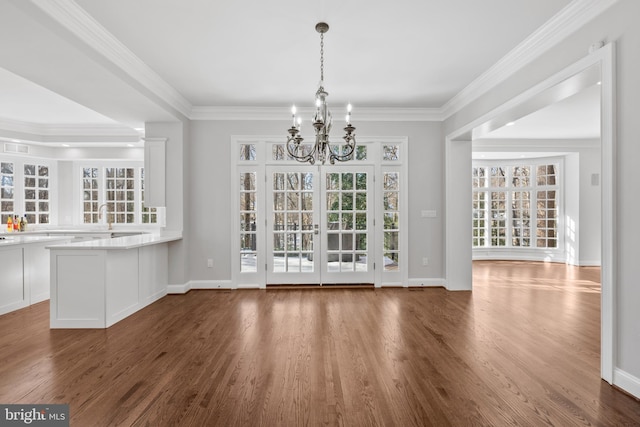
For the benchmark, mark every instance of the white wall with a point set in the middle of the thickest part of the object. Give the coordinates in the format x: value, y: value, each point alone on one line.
x: 618, y: 24
x: 209, y: 174
x: 178, y: 193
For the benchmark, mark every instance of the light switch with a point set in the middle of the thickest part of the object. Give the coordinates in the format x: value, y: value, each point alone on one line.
x: 428, y: 214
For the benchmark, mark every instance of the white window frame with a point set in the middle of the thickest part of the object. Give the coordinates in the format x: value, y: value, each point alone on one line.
x: 522, y: 252
x: 78, y: 211
x: 19, y: 188
x: 263, y: 149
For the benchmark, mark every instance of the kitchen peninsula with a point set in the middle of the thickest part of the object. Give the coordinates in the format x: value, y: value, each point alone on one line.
x: 96, y: 283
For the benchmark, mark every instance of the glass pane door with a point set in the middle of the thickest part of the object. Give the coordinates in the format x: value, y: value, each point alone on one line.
x: 347, y: 230
x: 292, y: 218
x: 320, y: 224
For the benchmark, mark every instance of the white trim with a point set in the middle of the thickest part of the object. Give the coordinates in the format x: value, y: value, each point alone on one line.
x: 210, y: 284
x: 365, y: 114
x: 626, y: 381
x: 199, y: 284
x: 262, y: 151
x: 427, y: 283
x: 607, y: 60
x: 564, y: 23
x: 80, y: 23
x: 178, y: 289
x: 588, y: 263
x: 43, y: 132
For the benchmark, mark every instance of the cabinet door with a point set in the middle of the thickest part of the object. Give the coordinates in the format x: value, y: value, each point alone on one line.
x: 13, y: 294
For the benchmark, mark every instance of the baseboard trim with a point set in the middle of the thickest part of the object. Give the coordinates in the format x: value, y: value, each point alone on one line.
x: 627, y: 382
x: 178, y: 289
x: 427, y: 283
x: 199, y: 284
x: 227, y: 284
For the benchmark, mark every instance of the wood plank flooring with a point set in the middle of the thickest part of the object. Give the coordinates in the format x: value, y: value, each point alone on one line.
x: 521, y: 349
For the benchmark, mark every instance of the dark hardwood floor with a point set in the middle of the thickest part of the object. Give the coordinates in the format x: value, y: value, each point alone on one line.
x: 521, y: 349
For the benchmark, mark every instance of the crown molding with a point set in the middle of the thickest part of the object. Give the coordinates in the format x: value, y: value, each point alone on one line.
x: 67, y: 129
x: 567, y: 21
x: 32, y: 132
x: 76, y: 20
x: 283, y: 113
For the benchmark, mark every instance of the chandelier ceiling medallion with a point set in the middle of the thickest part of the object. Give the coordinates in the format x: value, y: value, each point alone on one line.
x: 321, y: 150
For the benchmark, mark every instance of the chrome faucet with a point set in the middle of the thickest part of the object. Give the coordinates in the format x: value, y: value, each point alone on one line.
x: 104, y: 205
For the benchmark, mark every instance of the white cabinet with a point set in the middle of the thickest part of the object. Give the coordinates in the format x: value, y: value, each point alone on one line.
x: 12, y: 289
x: 154, y: 172
x: 25, y: 271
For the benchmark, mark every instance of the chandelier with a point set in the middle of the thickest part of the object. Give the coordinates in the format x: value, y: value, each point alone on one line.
x: 322, y: 149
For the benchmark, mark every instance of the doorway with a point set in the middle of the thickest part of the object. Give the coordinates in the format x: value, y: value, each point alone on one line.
x: 320, y: 224
x: 458, y: 156
x: 303, y: 224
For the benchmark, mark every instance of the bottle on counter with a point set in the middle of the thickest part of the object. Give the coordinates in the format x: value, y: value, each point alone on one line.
x: 21, y: 224
x: 16, y: 223
x: 9, y: 224
x: 24, y: 223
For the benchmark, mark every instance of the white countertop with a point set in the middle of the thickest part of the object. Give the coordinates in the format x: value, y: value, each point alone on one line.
x: 18, y: 239
x: 126, y: 242
x: 74, y: 231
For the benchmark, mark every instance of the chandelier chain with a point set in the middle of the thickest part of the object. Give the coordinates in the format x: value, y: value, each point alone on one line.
x: 322, y: 58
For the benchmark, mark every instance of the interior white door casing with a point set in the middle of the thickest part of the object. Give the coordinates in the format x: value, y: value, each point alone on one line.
x: 458, y: 160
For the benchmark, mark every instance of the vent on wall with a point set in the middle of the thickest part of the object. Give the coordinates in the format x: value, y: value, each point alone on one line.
x: 16, y: 148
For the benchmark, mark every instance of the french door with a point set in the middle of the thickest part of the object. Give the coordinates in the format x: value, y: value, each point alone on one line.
x: 319, y: 224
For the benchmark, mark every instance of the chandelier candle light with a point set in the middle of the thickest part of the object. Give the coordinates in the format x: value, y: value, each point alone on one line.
x: 321, y: 150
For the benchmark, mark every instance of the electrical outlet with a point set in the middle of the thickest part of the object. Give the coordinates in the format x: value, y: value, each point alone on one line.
x: 425, y: 261
x: 210, y: 263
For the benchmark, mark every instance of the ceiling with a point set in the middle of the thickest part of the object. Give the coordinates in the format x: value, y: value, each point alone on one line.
x: 80, y: 69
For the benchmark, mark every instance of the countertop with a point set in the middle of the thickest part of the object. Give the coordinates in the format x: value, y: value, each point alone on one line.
x: 20, y: 239
x: 126, y: 242
x: 73, y: 231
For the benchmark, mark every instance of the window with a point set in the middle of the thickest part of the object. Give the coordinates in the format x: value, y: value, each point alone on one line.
x: 279, y: 151
x: 6, y: 191
x: 118, y: 192
x: 505, y: 200
x: 90, y: 195
x: 26, y: 188
x: 248, y: 222
x: 120, y: 195
x: 391, y: 215
x: 36, y: 193
x: 149, y: 215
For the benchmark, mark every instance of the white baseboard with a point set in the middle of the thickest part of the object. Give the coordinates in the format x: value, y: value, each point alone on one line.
x: 227, y: 284
x: 590, y: 263
x: 427, y: 283
x: 178, y: 289
x: 199, y: 284
x: 627, y: 382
